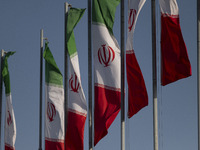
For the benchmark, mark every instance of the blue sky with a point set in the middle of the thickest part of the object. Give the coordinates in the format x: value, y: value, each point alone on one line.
x: 20, y: 26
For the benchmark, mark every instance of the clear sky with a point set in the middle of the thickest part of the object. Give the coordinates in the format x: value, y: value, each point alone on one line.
x: 20, y: 24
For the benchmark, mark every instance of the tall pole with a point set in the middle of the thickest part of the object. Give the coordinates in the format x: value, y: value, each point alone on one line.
x: 122, y: 79
x: 66, y: 5
x: 90, y: 116
x: 41, y: 74
x: 155, y: 100
x: 1, y: 82
x: 198, y: 68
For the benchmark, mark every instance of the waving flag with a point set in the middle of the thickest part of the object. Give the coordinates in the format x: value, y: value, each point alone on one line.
x: 10, y: 125
x: 175, y: 62
x: 106, y: 67
x: 77, y: 108
x: 137, y: 94
x: 54, y: 104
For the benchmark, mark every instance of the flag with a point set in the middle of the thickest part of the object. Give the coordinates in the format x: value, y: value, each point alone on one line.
x: 77, y: 108
x: 175, y: 63
x: 10, y: 125
x: 137, y: 93
x: 54, y: 103
x: 106, y: 57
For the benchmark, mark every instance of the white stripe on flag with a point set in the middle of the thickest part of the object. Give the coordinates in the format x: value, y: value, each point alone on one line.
x: 10, y: 125
x: 106, y: 63
x: 54, y: 111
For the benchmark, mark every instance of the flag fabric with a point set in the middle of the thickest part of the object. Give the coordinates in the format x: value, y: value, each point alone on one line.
x: 54, y: 103
x: 175, y: 63
x: 137, y: 93
x: 10, y: 125
x: 106, y: 57
x: 77, y: 107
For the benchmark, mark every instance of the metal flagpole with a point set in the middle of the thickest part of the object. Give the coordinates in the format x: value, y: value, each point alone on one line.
x: 90, y: 116
x: 122, y: 79
x: 1, y: 82
x: 198, y: 68
x: 41, y: 74
x: 155, y: 101
x: 66, y: 5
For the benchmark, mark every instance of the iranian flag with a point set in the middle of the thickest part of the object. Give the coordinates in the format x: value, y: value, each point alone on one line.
x: 54, y: 104
x: 10, y: 125
x: 77, y: 108
x: 137, y: 93
x: 106, y: 57
x: 175, y: 63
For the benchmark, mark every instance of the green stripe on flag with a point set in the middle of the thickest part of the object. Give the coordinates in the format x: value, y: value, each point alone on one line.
x: 74, y: 16
x: 103, y: 12
x: 5, y: 73
x: 52, y: 73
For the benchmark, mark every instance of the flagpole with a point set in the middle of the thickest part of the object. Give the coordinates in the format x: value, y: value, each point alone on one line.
x: 122, y: 79
x: 66, y: 70
x: 154, y: 63
x: 198, y: 68
x: 41, y: 74
x: 90, y: 116
x: 1, y: 82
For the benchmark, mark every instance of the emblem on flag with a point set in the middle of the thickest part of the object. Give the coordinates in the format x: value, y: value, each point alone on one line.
x: 131, y: 19
x: 106, y: 55
x: 51, y: 111
x: 9, y: 119
x: 73, y: 82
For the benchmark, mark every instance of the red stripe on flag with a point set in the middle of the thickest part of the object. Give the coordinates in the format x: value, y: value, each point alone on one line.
x: 53, y: 145
x: 75, y: 131
x: 107, y: 106
x: 175, y: 62
x: 8, y: 147
x: 137, y: 93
